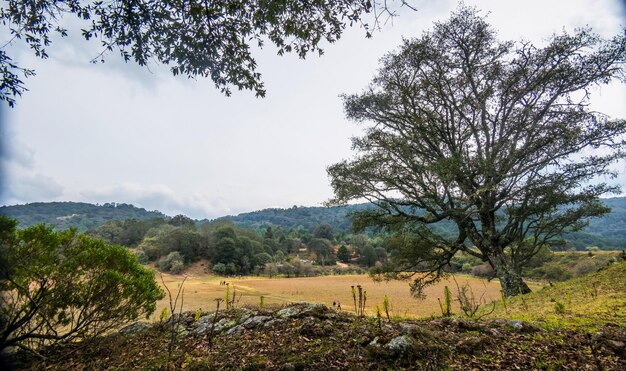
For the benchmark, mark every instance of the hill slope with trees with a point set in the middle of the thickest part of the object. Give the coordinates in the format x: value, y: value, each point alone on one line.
x: 606, y: 233
x: 83, y: 216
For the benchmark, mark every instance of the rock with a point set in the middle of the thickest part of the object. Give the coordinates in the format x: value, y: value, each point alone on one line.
x: 181, y: 331
x: 245, y: 313
x: 408, y: 328
x: 521, y: 326
x: 374, y: 343
x: 400, y: 345
x: 255, y: 321
x: 235, y: 331
x: 515, y: 324
x: 203, y: 327
x: 136, y: 328
x: 272, y: 323
x: 224, y: 324
x: 288, y: 367
x: 375, y: 349
x: 301, y: 310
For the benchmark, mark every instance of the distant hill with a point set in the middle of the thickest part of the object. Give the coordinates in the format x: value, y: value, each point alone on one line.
x: 606, y: 233
x: 83, y: 216
x: 307, y: 217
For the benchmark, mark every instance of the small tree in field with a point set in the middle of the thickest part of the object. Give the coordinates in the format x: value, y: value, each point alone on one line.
x: 493, y: 140
x: 64, y: 286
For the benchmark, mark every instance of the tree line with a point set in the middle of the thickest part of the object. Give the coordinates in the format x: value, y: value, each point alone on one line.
x: 175, y: 243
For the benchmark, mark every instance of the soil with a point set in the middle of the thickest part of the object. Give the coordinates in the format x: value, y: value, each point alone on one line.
x: 308, y: 336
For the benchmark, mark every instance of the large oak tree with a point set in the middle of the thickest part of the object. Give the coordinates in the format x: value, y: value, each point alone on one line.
x: 214, y: 39
x: 494, y: 138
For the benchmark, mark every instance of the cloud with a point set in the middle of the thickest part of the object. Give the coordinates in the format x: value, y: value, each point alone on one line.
x: 24, y: 186
x: 20, y: 180
x: 160, y: 197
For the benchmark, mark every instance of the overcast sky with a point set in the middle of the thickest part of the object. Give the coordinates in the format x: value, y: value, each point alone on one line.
x: 115, y: 132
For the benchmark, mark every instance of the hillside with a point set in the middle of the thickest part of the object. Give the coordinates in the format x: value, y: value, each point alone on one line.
x: 607, y: 233
x: 81, y: 215
x: 307, y: 217
x: 314, y: 336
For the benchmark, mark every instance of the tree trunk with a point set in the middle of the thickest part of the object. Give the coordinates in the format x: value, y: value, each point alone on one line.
x: 512, y: 284
x: 510, y: 280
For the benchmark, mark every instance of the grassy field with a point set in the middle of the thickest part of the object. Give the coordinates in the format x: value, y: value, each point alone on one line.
x: 587, y: 302
x: 201, y: 290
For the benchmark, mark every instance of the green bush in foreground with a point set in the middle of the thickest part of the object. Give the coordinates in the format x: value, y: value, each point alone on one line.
x: 63, y: 286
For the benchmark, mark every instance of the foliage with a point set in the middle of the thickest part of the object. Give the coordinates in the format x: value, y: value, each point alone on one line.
x: 195, y: 38
x: 301, y: 220
x: 82, y: 216
x: 343, y: 254
x: 121, y: 225
x: 173, y: 262
x: 491, y: 141
x: 62, y: 286
x: 446, y: 305
x: 469, y: 304
x: 323, y: 249
x: 129, y: 232
x: 182, y: 221
x: 368, y: 256
x: 175, y: 320
x: 324, y: 231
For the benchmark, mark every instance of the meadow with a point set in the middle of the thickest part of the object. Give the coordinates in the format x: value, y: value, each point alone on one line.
x: 201, y: 290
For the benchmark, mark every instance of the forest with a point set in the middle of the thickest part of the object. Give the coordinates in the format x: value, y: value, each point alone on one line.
x: 605, y: 233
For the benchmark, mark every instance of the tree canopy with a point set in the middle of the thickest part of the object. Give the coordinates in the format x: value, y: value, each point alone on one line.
x: 62, y: 286
x: 493, y: 138
x: 214, y: 39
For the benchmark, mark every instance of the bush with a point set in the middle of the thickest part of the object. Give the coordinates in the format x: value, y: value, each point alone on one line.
x: 483, y: 270
x: 219, y: 269
x: 586, y: 265
x: 142, y: 257
x: 177, y: 267
x: 556, y: 272
x: 173, y: 259
x: 62, y: 285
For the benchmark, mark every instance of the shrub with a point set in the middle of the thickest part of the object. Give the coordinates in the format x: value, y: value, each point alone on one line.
x: 62, y: 285
x: 559, y: 308
x: 142, y: 257
x: 483, y: 270
x: 177, y: 267
x: 173, y: 259
x: 586, y: 265
x: 556, y: 272
x: 220, y: 269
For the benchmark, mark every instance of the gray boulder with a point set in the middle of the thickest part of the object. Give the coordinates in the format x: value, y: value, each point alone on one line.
x: 255, y: 321
x: 400, y: 345
x: 301, y: 310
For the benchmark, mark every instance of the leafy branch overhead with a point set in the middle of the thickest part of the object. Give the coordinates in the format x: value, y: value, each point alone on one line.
x: 495, y: 139
x: 212, y: 39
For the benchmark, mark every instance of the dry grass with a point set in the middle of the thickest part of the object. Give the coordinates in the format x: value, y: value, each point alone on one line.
x: 201, y: 290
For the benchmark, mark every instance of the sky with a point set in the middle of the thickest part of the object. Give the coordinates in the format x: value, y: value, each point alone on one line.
x: 116, y: 132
